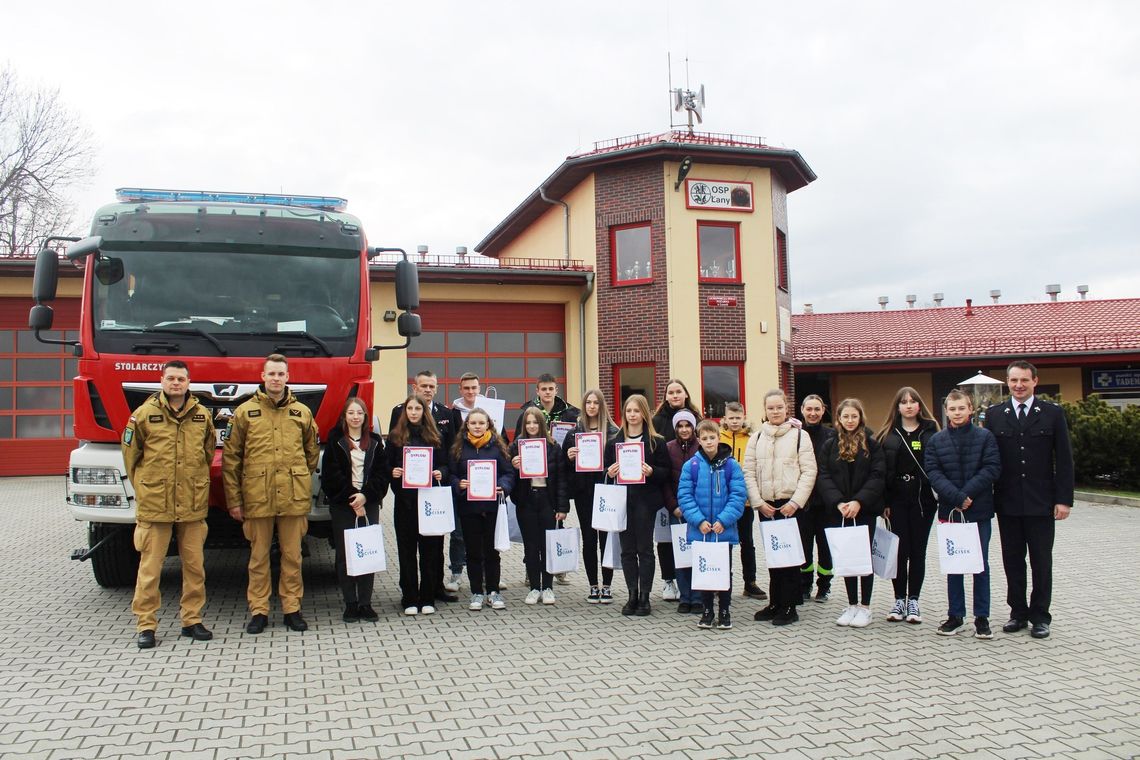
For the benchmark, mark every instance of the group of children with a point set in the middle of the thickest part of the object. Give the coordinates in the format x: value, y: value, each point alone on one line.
x: 710, y: 477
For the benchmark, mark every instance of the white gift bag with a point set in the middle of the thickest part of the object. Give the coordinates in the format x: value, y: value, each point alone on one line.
x: 513, y: 529
x: 682, y: 549
x: 782, y: 545
x: 364, y: 550
x: 436, y: 511
x: 661, y: 533
x: 850, y: 550
x: 562, y: 550
x: 959, y: 547
x: 609, y: 508
x: 710, y: 565
x: 502, y: 529
x: 611, y: 557
x: 885, y: 551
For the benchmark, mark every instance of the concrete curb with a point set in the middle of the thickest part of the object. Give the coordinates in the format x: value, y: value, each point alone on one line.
x: 1104, y: 498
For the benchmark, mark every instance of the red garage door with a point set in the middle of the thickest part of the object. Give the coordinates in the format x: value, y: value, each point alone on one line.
x: 506, y: 345
x: 35, y: 390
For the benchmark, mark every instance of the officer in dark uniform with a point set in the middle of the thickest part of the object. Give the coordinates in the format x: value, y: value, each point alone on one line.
x: 1034, y: 491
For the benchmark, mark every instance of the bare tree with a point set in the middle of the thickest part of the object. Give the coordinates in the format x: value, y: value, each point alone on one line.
x: 45, y: 151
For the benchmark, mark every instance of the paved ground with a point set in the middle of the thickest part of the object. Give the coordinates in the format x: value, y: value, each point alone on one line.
x: 573, y: 680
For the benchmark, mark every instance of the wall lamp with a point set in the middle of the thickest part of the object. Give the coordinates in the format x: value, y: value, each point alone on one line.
x: 683, y: 171
x: 390, y: 315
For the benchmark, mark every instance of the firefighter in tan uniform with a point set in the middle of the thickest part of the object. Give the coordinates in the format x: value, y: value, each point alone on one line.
x: 271, y: 451
x: 167, y: 448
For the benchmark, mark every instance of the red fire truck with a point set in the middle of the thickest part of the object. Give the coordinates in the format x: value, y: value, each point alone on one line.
x: 219, y: 280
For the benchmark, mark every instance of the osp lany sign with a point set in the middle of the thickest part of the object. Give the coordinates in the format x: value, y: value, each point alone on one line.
x: 716, y: 194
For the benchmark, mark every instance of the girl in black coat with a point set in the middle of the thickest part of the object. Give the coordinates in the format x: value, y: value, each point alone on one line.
x: 642, y: 501
x: 814, y: 520
x: 910, y: 504
x: 676, y: 398
x: 850, y: 483
x: 415, y: 428
x: 595, y: 417
x: 541, y: 503
x: 477, y: 440
x: 354, y: 479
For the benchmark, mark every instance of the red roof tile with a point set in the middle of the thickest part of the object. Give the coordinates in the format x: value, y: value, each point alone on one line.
x: 1054, y: 327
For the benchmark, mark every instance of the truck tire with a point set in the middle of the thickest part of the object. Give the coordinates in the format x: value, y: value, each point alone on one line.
x: 115, y: 564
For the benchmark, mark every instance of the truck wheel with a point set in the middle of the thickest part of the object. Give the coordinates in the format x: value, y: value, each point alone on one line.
x: 115, y: 563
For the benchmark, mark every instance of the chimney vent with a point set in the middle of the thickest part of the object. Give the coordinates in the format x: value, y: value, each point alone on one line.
x: 808, y: 309
x: 883, y: 301
x: 995, y: 294
x: 461, y: 250
x: 1052, y: 291
x: 939, y: 298
x: 969, y: 307
x: 1083, y: 290
x: 910, y: 299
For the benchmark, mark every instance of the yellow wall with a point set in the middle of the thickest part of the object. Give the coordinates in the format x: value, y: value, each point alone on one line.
x: 877, y: 391
x: 1069, y: 378
x: 757, y: 269
x: 21, y: 286
x: 390, y: 374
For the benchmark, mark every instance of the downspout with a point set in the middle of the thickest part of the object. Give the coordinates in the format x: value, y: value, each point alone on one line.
x: 589, y: 282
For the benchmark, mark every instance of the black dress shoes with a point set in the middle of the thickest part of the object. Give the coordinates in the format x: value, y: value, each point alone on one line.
x: 294, y: 621
x: 1014, y: 625
x: 443, y: 596
x: 1039, y: 631
x: 198, y: 632
x: 257, y: 624
x: 366, y: 613
x: 146, y: 640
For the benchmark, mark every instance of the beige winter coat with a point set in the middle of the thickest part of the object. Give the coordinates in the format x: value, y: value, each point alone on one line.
x: 779, y: 463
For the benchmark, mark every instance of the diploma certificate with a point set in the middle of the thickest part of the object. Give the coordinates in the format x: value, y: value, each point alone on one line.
x: 630, y: 457
x: 532, y: 452
x: 482, y: 479
x: 417, y: 466
x: 560, y: 430
x: 590, y: 448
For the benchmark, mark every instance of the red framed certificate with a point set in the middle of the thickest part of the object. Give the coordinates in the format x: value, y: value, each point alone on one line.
x: 630, y: 457
x: 417, y: 467
x: 532, y: 452
x: 482, y: 480
x: 562, y: 429
x: 591, y: 447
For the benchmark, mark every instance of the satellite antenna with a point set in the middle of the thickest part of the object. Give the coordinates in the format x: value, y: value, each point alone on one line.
x: 692, y: 102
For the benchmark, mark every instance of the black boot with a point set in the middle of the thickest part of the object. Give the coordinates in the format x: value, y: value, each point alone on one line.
x: 643, y: 604
x: 630, y: 607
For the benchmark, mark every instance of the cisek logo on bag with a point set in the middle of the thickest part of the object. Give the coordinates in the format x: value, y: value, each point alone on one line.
x: 682, y: 544
x: 362, y: 552
x: 428, y: 510
x: 558, y: 550
x: 705, y: 566
x: 952, y: 550
x: 602, y: 507
x: 875, y: 550
x: 777, y: 545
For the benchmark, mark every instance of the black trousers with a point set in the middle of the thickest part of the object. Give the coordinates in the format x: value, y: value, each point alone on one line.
x: 783, y: 582
x: 812, y: 522
x: 859, y: 589
x: 1034, y: 535
x: 637, y: 548
x: 536, y: 517
x: 747, y: 544
x: 725, y: 597
x: 421, y: 558
x: 483, y: 566
x: 665, y: 551
x: 911, y: 519
x: 591, y: 540
x: 354, y: 589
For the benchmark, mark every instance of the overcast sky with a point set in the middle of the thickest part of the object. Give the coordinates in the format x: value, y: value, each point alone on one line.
x: 995, y: 146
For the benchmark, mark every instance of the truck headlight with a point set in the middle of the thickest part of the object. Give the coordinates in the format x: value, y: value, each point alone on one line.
x: 97, y: 500
x: 95, y: 476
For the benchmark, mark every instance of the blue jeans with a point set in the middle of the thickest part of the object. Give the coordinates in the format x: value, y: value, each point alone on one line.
x: 955, y: 586
x: 685, y: 585
x: 456, y: 550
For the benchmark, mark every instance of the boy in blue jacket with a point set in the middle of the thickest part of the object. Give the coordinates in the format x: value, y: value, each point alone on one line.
x: 963, y: 463
x: 711, y: 496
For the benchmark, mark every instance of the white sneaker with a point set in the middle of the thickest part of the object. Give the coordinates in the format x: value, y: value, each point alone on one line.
x: 427, y: 609
x: 548, y: 596
x: 497, y: 601
x: 562, y: 580
x: 533, y: 597
x: 502, y: 585
x: 451, y: 583
x: 862, y: 617
x: 913, y: 613
x: 476, y: 602
x: 898, y: 612
x: 670, y: 593
x: 847, y: 616
x: 411, y: 611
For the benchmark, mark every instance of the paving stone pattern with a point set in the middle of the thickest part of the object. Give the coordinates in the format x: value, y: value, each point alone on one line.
x: 572, y: 680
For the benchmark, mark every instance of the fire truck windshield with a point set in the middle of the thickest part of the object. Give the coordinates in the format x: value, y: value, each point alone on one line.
x: 250, y: 303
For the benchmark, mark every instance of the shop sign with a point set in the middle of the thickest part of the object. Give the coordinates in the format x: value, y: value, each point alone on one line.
x: 717, y: 194
x: 1115, y: 379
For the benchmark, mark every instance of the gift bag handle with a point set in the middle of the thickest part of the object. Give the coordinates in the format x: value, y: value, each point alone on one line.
x: 950, y: 517
x: 356, y: 522
x: 887, y: 523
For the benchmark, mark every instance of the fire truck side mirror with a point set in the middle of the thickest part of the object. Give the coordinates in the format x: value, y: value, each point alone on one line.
x: 46, y: 277
x: 40, y: 317
x: 408, y: 325
x: 407, y: 288
x: 109, y: 270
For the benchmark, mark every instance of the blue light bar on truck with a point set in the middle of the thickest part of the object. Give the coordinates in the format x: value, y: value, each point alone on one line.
x: 144, y: 195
